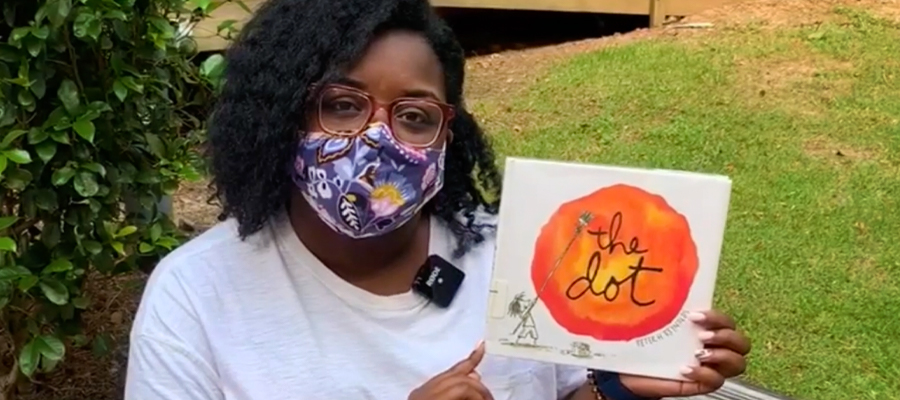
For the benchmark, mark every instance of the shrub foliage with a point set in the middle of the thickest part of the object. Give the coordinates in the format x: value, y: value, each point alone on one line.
x: 102, y: 108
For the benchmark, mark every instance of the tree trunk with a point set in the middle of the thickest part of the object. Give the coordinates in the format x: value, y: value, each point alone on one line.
x: 8, y: 378
x: 8, y: 383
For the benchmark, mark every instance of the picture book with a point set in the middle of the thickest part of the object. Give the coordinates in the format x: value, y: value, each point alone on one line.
x: 599, y: 266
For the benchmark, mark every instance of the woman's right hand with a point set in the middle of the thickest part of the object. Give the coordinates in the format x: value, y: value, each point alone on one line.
x: 460, y: 382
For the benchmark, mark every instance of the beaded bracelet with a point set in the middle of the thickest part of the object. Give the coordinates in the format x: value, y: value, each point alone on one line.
x: 592, y: 380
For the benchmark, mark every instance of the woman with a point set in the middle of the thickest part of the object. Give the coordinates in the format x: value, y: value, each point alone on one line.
x: 345, y: 157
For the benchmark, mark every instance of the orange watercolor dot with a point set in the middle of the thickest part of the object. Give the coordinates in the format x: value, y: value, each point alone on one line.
x: 629, y: 227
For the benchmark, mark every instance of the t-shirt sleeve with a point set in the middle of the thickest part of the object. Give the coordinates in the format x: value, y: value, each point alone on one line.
x: 169, y: 355
x: 158, y: 369
x: 569, y: 379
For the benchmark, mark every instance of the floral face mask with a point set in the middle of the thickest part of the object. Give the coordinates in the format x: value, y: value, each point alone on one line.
x: 367, y: 184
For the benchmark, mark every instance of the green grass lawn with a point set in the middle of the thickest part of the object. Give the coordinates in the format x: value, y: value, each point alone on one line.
x: 806, y: 121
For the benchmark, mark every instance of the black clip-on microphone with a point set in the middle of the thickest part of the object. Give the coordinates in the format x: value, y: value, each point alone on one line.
x: 438, y: 281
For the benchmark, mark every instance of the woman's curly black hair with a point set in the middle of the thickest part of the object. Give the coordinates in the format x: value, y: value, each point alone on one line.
x: 290, y: 46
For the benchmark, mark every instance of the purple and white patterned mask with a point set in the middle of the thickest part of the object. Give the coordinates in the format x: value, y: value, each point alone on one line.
x: 367, y: 184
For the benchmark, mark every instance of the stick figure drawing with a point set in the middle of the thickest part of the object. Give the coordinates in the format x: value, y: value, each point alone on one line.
x: 520, y: 308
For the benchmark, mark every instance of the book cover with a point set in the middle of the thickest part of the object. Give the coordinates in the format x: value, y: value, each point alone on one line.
x: 599, y: 266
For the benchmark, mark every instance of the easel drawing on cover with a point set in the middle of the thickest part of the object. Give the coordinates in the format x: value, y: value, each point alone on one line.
x: 521, y: 308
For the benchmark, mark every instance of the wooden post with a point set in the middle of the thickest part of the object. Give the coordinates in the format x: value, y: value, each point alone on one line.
x: 657, y: 13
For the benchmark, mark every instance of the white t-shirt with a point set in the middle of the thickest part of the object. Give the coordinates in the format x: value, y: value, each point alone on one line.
x: 263, y: 319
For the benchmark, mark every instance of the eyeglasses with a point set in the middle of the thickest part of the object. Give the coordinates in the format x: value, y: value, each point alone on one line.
x: 345, y: 111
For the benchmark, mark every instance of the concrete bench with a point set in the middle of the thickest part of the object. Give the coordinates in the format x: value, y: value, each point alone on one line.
x: 739, y: 390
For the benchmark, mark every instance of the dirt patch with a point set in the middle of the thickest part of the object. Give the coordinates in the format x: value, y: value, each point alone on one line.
x: 498, y: 75
x: 803, y: 83
x: 889, y: 10
x: 773, y: 14
x: 782, y: 74
x: 193, y: 209
x: 497, y: 81
x: 831, y: 152
x: 827, y: 149
x: 867, y: 272
x: 96, y: 370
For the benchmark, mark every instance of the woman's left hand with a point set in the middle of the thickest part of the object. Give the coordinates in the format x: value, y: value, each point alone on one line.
x: 723, y: 357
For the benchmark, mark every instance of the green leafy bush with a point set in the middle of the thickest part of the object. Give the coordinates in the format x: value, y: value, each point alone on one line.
x: 102, y: 107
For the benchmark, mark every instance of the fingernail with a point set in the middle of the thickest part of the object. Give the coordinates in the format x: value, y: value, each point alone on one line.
x: 478, y: 347
x: 696, y: 317
x: 703, y: 354
x: 706, y: 335
x: 686, y: 370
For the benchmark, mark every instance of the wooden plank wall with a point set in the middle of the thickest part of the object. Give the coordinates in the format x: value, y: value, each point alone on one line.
x: 207, y: 40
